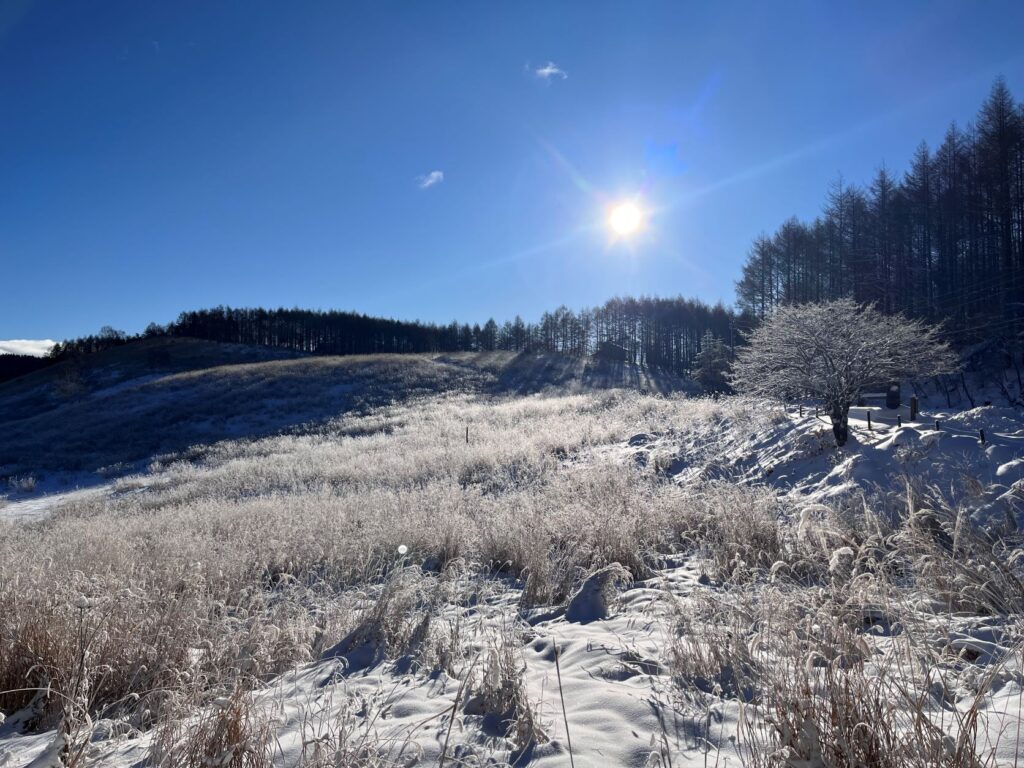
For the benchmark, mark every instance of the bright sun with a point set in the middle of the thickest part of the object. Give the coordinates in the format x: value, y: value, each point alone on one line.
x: 625, y: 218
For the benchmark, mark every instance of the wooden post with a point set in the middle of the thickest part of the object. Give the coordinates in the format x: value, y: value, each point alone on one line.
x: 869, y: 419
x: 982, y: 433
x: 899, y: 420
x: 467, y: 434
x: 937, y: 427
x: 913, y: 407
x: 801, y: 410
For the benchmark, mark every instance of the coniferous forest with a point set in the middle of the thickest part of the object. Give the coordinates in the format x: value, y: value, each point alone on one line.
x: 944, y: 241
x: 654, y: 332
x: 661, y: 333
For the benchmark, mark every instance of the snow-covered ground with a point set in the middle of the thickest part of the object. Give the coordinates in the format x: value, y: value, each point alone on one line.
x: 38, y: 504
x: 771, y: 603
x: 942, y: 449
x: 615, y: 690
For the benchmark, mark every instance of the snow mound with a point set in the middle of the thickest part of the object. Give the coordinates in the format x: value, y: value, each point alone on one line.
x: 592, y: 600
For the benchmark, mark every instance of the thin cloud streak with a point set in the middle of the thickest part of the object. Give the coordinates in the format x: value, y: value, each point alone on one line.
x: 429, y: 180
x: 549, y: 71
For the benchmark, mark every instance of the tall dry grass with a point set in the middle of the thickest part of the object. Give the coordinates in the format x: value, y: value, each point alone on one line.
x: 198, y: 581
x: 855, y: 636
x: 257, y: 556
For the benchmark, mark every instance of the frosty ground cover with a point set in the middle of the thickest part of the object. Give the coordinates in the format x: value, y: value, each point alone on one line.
x: 599, y: 578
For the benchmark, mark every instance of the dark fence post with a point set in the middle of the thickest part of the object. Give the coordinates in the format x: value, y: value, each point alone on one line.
x: 892, y: 396
x: 869, y: 419
x: 913, y: 407
x: 899, y: 420
x: 937, y: 427
x: 467, y: 434
x: 982, y: 433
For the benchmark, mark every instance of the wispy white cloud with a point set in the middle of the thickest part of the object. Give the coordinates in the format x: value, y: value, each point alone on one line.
x: 430, y: 179
x: 549, y: 71
x: 34, y: 347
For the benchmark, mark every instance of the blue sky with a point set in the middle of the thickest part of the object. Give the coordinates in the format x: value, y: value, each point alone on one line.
x: 161, y: 156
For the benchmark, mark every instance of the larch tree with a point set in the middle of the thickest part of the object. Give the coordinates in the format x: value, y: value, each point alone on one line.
x: 944, y: 242
x: 834, y: 351
x: 711, y: 366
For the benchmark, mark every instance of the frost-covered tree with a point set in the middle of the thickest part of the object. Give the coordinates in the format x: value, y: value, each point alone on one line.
x: 711, y: 366
x: 834, y: 351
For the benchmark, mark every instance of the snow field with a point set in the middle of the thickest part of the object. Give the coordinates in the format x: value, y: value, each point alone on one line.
x: 249, y: 605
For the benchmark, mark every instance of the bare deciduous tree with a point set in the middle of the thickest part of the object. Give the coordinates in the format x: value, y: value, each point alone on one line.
x: 833, y: 351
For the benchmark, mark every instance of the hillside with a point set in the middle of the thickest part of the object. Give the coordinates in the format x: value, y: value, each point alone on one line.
x: 14, y: 365
x: 157, y: 396
x: 655, y: 580
x: 248, y: 559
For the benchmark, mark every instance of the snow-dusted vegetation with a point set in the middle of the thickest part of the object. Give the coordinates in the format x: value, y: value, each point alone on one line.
x: 460, y: 574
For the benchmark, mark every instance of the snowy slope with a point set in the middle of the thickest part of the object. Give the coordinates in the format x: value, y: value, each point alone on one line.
x: 681, y: 665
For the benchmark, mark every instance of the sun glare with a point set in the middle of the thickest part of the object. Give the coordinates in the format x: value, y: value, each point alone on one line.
x: 625, y: 219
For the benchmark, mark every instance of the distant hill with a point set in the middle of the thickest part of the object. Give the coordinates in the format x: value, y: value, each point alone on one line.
x: 13, y: 366
x: 52, y: 385
x: 54, y: 417
x: 164, y: 395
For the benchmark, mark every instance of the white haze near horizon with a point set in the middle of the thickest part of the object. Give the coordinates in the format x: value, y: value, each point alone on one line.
x: 34, y: 347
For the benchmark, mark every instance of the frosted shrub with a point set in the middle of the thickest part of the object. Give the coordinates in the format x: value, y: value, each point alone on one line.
x: 737, y: 529
x: 22, y: 483
x: 499, y: 692
x: 232, y: 733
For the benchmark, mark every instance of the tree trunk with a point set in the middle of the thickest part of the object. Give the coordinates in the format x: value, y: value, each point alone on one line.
x: 840, y: 415
x: 963, y: 380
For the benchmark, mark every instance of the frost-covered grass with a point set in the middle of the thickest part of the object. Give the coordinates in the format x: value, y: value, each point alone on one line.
x: 247, y: 560
x: 107, y: 412
x: 108, y: 420
x: 881, y: 626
